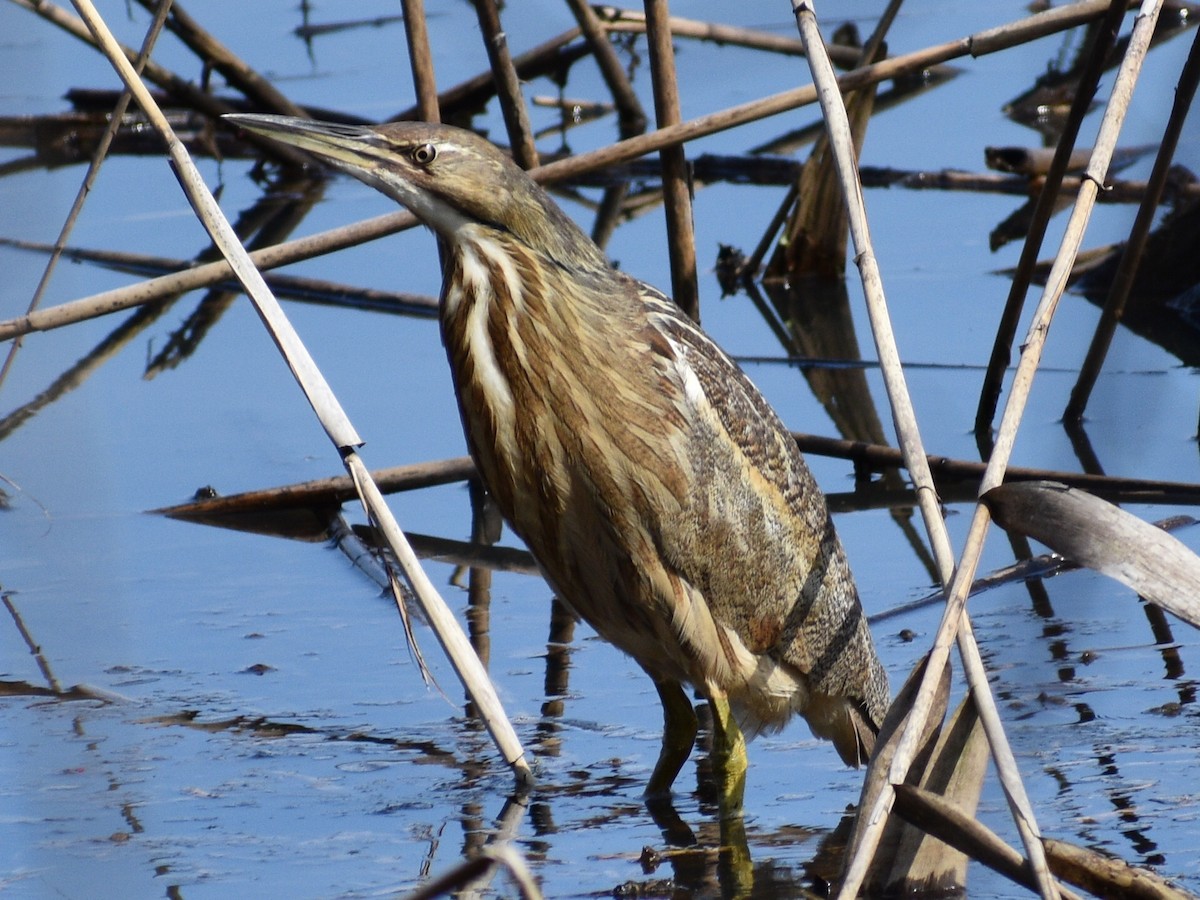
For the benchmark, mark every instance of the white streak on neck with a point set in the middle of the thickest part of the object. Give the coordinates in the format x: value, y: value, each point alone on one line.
x: 481, y: 259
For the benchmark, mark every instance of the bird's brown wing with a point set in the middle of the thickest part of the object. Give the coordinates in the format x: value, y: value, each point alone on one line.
x: 761, y: 547
x: 746, y: 417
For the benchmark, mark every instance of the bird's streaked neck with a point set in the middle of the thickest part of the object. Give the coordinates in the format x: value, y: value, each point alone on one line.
x: 486, y: 266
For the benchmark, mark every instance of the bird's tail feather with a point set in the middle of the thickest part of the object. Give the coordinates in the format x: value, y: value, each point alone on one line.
x: 841, y: 720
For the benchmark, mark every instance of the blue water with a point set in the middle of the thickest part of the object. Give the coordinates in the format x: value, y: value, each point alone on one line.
x: 175, y: 784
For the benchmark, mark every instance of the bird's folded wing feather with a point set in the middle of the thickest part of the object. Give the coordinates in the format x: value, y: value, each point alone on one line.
x: 757, y: 433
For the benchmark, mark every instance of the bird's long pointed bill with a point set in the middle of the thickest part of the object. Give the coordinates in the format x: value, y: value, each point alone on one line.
x: 349, y: 146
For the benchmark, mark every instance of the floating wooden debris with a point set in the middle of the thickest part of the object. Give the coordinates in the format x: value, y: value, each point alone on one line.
x: 1103, y: 537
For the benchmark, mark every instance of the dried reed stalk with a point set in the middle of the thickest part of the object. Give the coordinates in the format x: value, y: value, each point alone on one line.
x: 204, y: 275
x: 237, y: 72
x: 625, y: 20
x: 947, y: 470
x: 508, y: 86
x: 1122, y: 283
x: 466, y: 873
x: 1100, y: 875
x: 89, y: 178
x: 677, y: 193
x: 978, y: 44
x: 323, y: 491
x: 862, y: 852
x: 420, y: 59
x: 469, y: 95
x: 296, y: 287
x: 951, y: 625
x: 327, y: 408
x: 631, y: 118
x: 814, y: 242
x: 1105, y: 37
x: 177, y: 85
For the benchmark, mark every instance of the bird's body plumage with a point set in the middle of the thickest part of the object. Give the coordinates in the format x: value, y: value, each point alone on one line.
x: 663, y: 498
x: 665, y: 502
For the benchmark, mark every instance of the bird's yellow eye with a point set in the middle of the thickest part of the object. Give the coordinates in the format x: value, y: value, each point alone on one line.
x: 424, y: 154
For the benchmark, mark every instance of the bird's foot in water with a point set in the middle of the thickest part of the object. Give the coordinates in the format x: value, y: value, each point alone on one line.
x: 729, y: 760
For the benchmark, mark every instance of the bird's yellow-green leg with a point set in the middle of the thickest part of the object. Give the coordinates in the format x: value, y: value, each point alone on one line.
x: 729, y: 764
x: 728, y: 755
x: 679, y: 736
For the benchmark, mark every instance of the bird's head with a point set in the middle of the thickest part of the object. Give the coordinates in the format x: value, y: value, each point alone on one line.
x: 448, y: 177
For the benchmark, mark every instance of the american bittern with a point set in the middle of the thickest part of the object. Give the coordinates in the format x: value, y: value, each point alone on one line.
x: 662, y: 497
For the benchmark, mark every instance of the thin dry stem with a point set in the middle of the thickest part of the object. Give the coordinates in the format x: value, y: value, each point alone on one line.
x: 508, y: 86
x: 326, y: 406
x: 990, y: 41
x: 179, y: 87
x: 630, y: 21
x: 1122, y: 282
x: 322, y: 491
x: 936, y: 816
x: 89, y: 178
x: 477, y: 90
x: 469, y: 871
x: 1031, y: 355
x: 421, y: 60
x: 677, y: 195
x: 295, y: 287
x: 35, y: 649
x: 205, y: 275
x: 841, y: 140
x: 1044, y: 209
x: 236, y: 71
x: 978, y: 44
x: 630, y: 115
